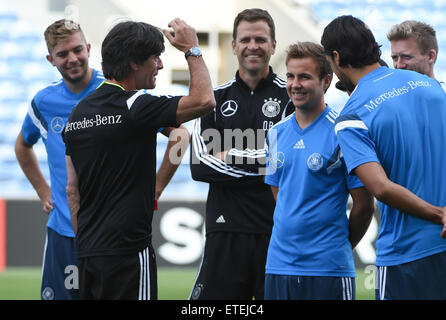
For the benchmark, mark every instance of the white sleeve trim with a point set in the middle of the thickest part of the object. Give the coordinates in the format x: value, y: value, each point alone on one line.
x: 211, y: 161
x: 350, y: 124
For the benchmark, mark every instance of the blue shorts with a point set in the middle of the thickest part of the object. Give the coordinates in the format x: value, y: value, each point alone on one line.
x: 417, y: 280
x: 60, y: 276
x: 285, y: 287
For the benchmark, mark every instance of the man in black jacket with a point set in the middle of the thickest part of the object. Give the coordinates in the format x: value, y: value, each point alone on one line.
x: 228, y: 153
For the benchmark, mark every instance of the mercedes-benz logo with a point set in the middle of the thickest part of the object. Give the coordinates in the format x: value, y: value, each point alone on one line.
x: 278, y: 160
x: 229, y: 108
x: 57, y: 124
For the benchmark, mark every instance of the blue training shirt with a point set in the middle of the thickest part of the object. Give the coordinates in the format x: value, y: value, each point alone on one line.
x: 46, y: 118
x: 310, y: 232
x: 398, y: 119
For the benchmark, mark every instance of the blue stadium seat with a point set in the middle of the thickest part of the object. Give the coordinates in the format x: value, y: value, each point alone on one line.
x: 24, y: 70
x: 10, y: 131
x: 6, y: 116
x: 6, y: 152
x: 40, y: 71
x: 39, y: 52
x: 12, y: 90
x: 34, y: 86
x: 7, y: 15
x: 183, y: 173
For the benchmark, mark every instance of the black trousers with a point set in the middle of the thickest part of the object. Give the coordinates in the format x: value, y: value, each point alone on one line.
x: 119, y: 277
x: 233, y: 267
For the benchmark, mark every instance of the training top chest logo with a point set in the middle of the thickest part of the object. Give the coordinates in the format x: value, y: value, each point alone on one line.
x: 315, y: 162
x: 57, y: 125
x: 229, y: 108
x: 271, y: 107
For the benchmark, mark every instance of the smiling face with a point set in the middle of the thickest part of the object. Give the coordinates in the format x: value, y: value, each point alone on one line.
x: 304, y: 87
x: 253, y: 46
x: 145, y: 74
x: 70, y: 57
x: 406, y: 54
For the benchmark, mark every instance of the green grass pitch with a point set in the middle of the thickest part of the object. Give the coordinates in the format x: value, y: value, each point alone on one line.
x: 173, y: 284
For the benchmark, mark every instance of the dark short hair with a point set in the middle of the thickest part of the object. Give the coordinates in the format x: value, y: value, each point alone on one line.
x: 353, y: 40
x: 128, y: 42
x: 253, y: 15
x: 341, y: 86
x: 312, y: 50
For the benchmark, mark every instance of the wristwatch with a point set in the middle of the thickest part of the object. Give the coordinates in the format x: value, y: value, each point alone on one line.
x: 194, y: 51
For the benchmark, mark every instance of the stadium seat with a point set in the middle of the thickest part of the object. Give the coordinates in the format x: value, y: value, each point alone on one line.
x: 380, y: 16
x: 40, y: 71
x: 24, y: 71
x: 12, y: 90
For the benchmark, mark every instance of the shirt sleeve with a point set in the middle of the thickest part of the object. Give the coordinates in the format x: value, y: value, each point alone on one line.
x: 250, y: 160
x: 353, y: 181
x: 271, y: 171
x: 153, y: 111
x: 205, y: 142
x: 30, y: 132
x: 64, y: 139
x: 354, y: 138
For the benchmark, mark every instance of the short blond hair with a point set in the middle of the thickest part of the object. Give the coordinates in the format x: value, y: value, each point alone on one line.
x: 59, y: 31
x: 423, y: 33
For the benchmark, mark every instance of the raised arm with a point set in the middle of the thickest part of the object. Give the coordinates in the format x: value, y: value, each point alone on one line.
x: 201, y: 96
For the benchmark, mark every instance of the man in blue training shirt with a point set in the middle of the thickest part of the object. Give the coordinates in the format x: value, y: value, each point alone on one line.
x: 414, y: 46
x: 392, y: 134
x: 310, y: 254
x: 47, y: 115
x: 69, y: 53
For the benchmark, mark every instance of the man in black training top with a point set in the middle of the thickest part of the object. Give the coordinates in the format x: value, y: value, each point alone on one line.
x: 111, y: 157
x: 228, y: 153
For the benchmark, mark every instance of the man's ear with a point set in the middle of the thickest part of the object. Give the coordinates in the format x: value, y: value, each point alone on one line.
x: 134, y: 66
x: 50, y: 59
x: 336, y: 57
x: 274, y: 46
x: 432, y: 56
x: 326, y: 81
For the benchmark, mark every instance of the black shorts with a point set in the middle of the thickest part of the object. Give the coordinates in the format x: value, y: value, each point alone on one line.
x: 233, y: 267
x: 119, y: 277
